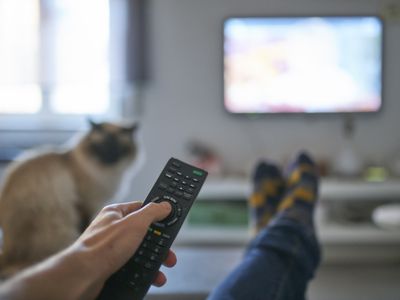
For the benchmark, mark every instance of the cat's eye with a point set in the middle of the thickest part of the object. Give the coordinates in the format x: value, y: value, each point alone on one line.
x: 126, y: 130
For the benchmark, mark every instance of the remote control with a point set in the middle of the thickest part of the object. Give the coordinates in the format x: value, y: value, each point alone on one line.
x: 179, y: 184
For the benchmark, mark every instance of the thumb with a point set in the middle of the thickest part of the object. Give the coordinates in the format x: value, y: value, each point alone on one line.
x: 153, y: 212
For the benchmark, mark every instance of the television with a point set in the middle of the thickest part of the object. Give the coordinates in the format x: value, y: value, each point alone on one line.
x: 302, y: 64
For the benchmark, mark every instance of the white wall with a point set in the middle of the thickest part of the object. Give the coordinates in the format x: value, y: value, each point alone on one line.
x: 184, y: 99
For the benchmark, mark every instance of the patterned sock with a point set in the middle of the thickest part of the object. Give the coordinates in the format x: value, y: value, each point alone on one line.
x: 268, y: 188
x: 301, y: 189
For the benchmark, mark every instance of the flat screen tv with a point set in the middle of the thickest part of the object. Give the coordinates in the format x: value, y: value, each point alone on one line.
x: 315, y: 64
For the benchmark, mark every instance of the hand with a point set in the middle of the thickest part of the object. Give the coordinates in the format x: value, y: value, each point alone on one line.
x: 80, y: 271
x: 115, y: 235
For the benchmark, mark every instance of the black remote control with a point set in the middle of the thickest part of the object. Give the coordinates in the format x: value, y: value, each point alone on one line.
x: 179, y: 184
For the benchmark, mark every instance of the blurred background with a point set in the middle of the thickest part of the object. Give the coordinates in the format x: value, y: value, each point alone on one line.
x: 161, y: 62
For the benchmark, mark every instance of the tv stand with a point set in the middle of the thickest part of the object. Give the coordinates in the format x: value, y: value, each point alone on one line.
x: 341, y: 239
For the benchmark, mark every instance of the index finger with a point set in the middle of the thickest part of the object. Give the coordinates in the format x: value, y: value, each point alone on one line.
x: 124, y: 208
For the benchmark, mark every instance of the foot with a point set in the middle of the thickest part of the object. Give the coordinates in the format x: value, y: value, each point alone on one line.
x: 301, y: 188
x: 268, y: 189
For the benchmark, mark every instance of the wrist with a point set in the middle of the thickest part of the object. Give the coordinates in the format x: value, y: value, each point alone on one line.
x: 64, y: 276
x: 83, y: 272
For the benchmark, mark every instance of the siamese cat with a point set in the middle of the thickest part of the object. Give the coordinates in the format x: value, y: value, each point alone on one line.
x: 47, y: 200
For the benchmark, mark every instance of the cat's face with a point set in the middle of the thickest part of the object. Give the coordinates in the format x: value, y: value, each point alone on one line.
x: 110, y: 143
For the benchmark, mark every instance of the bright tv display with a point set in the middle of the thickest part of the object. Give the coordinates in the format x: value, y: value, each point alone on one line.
x: 325, y: 64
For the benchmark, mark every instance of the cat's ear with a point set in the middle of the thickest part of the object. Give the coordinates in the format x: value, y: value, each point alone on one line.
x: 94, y: 125
x: 132, y: 128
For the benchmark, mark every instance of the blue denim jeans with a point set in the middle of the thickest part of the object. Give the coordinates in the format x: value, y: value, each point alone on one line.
x: 277, y: 265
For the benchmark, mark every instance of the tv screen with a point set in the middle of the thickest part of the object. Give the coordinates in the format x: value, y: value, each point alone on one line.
x: 325, y: 64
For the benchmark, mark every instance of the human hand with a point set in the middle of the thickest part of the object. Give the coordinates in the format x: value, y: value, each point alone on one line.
x: 115, y: 235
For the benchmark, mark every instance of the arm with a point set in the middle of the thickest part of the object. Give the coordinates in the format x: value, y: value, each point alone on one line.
x: 79, y: 272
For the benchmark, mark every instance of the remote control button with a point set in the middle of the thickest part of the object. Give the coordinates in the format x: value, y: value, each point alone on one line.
x: 172, y: 169
x: 144, y: 262
x: 171, y: 199
x: 174, y: 184
x: 195, y: 180
x: 176, y: 164
x: 159, y: 224
x: 132, y: 283
x: 150, y: 254
x: 176, y: 179
x: 138, y: 278
x: 184, y: 182
x: 198, y: 173
x: 178, y: 193
x: 189, y: 190
x: 192, y: 186
x: 162, y: 186
x: 187, y: 177
x: 162, y: 242
x: 149, y: 245
x: 179, y: 211
x: 179, y: 173
x: 154, y: 257
x: 166, y: 236
x: 170, y: 190
x: 180, y: 188
x: 173, y: 221
x: 157, y: 249
x: 149, y: 265
x: 187, y: 196
x: 135, y: 286
x: 157, y: 232
x: 168, y: 175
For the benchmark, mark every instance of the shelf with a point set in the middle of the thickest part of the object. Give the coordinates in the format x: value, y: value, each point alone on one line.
x: 329, y: 234
x: 331, y: 189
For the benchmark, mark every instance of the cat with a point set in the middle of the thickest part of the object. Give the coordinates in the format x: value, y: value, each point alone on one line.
x: 48, y: 199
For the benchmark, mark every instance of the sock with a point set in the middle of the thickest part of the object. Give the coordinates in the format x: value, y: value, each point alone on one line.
x: 268, y: 188
x: 301, y: 189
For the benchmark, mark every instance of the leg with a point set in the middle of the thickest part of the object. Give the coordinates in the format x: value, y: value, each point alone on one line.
x: 284, y: 255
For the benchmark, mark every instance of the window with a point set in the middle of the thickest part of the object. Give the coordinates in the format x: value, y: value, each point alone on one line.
x: 55, y: 63
x: 19, y: 64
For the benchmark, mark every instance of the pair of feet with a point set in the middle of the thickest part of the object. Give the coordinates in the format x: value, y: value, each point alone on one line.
x: 275, y: 193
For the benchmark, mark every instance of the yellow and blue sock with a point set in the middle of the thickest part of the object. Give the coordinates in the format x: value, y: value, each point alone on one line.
x: 301, y: 188
x: 268, y: 189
